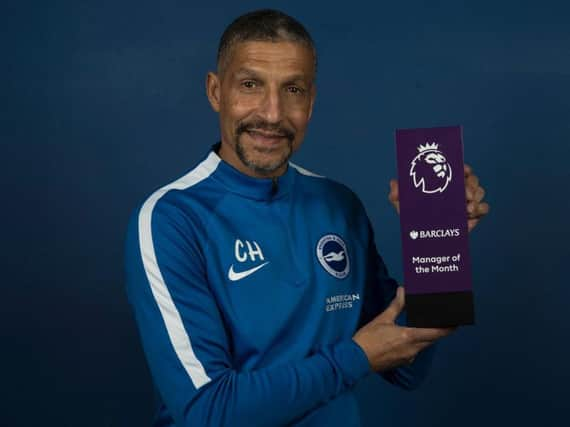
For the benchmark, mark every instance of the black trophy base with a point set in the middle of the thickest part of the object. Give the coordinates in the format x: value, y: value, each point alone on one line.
x: 440, y: 310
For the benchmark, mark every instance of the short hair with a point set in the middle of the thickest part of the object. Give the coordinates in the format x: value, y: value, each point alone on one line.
x: 263, y: 25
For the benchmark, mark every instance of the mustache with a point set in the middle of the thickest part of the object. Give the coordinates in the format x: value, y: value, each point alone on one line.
x: 275, y: 128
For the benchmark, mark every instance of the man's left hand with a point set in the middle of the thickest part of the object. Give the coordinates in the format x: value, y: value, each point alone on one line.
x: 474, y: 193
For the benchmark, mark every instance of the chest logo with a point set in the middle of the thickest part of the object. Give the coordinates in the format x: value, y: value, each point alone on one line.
x: 238, y: 275
x: 244, y: 252
x: 333, y: 256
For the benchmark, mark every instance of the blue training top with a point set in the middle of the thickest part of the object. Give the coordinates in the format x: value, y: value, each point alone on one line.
x: 247, y: 293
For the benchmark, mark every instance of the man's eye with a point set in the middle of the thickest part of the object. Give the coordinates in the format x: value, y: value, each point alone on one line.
x: 248, y: 84
x: 294, y: 89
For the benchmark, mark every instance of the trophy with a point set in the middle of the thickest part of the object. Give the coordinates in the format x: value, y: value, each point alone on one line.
x: 433, y: 225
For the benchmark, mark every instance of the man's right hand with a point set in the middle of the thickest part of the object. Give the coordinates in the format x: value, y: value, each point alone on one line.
x: 388, y: 345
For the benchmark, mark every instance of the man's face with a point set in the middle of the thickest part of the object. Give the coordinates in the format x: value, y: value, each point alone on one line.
x: 264, y: 96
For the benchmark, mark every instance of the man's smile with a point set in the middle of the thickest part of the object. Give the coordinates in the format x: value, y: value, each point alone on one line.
x: 267, y: 138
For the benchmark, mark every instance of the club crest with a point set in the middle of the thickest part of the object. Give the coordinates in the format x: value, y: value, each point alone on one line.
x: 333, y: 256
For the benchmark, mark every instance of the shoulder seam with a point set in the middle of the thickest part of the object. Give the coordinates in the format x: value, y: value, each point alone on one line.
x: 304, y: 171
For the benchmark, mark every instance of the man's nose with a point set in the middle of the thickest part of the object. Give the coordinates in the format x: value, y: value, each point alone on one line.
x: 271, y: 108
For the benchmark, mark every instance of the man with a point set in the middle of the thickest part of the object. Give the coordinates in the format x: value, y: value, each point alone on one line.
x: 256, y: 285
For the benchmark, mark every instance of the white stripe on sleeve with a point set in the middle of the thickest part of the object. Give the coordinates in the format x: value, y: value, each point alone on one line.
x: 304, y: 171
x: 178, y: 336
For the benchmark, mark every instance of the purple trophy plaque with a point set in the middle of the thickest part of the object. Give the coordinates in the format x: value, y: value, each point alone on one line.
x: 433, y: 225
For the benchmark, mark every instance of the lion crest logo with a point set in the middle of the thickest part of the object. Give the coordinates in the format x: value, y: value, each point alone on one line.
x: 430, y: 169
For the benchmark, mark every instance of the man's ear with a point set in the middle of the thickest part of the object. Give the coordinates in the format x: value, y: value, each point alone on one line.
x: 213, y: 84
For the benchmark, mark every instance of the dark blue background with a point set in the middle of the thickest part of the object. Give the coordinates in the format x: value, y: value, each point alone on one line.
x: 103, y: 101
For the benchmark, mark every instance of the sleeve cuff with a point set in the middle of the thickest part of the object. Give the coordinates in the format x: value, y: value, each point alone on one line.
x: 351, y: 361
